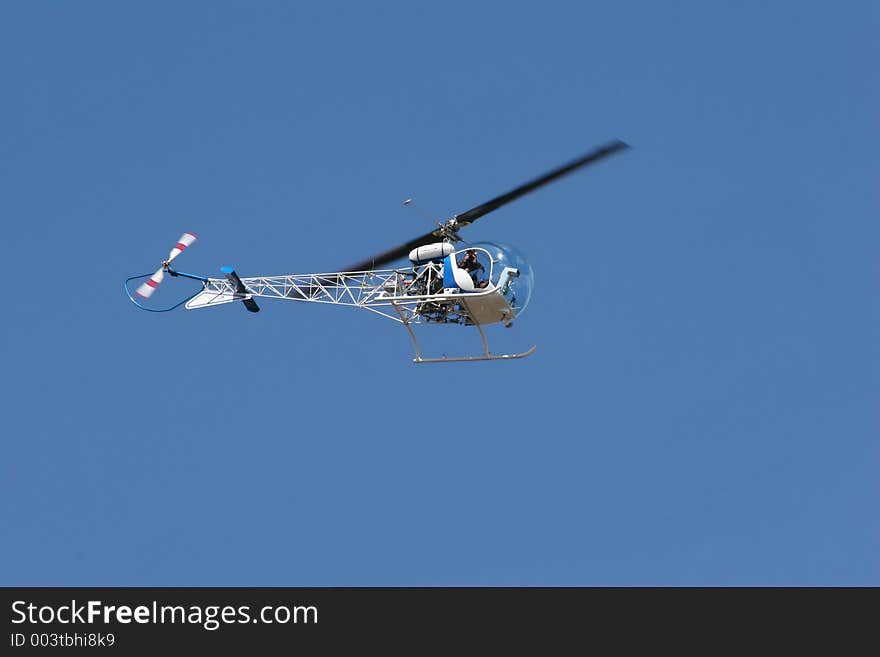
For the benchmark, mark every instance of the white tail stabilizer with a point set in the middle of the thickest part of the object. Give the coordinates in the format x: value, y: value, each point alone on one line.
x: 207, y: 298
x: 211, y: 296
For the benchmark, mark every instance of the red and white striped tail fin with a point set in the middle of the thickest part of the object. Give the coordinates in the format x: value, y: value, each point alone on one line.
x: 185, y: 240
x: 147, y: 289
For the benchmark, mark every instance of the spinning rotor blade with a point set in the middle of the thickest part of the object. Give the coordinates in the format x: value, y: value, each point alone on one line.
x: 600, y: 153
x: 185, y: 240
x: 146, y: 290
x: 468, y: 217
x: 397, y: 252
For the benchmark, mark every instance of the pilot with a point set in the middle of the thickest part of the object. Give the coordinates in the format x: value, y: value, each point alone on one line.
x: 471, y: 265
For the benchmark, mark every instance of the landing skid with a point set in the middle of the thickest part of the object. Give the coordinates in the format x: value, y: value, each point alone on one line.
x: 460, y: 359
x: 486, y: 355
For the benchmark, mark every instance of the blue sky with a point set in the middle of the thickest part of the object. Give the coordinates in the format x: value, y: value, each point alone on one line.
x: 702, y: 408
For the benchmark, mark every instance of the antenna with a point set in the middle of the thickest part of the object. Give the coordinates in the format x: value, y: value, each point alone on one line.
x: 422, y: 212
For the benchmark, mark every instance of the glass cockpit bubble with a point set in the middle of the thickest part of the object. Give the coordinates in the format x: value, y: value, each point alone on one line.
x: 510, y: 272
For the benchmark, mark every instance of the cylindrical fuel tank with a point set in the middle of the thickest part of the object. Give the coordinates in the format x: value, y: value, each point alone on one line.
x: 430, y: 252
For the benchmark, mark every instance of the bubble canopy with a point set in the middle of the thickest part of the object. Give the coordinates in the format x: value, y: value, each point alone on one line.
x: 508, y: 270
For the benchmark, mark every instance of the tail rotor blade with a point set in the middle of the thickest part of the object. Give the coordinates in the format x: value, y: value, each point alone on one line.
x: 185, y: 240
x: 146, y: 290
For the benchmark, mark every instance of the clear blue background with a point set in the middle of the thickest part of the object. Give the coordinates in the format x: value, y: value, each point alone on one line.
x: 703, y: 405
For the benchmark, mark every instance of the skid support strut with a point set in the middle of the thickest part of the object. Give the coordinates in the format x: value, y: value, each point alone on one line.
x: 486, y: 355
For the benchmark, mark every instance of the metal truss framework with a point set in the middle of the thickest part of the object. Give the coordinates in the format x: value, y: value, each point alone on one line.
x: 407, y: 296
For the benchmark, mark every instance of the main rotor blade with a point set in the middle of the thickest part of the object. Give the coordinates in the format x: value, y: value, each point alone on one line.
x: 600, y: 153
x: 397, y: 252
x: 473, y: 214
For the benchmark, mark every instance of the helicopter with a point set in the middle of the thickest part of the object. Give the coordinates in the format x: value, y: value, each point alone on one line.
x: 449, y: 281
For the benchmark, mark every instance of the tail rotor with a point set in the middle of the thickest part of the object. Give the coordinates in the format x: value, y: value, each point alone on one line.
x: 146, y: 290
x: 148, y: 287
